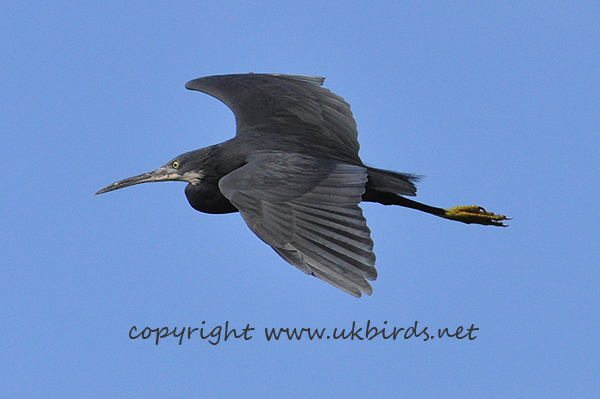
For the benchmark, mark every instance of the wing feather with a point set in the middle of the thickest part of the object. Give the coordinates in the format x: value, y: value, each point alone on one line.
x: 268, y: 99
x: 307, y: 210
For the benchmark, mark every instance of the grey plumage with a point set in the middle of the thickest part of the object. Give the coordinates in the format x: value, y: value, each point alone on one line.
x: 294, y: 174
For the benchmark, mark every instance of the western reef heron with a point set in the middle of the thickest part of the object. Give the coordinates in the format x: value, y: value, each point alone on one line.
x: 294, y: 174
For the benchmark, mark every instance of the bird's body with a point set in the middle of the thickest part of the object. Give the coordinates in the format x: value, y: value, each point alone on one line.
x: 294, y: 173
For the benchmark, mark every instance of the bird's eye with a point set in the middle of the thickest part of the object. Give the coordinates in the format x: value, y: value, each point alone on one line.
x: 175, y: 164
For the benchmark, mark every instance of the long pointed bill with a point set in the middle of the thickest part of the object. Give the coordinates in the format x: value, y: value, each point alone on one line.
x: 160, y: 174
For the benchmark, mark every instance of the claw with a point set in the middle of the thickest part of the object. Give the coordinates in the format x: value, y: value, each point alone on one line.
x: 474, y: 214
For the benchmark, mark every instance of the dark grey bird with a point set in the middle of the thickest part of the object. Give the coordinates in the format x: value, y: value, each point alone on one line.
x: 293, y: 172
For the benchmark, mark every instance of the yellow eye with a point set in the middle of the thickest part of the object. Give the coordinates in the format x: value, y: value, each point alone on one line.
x: 175, y: 164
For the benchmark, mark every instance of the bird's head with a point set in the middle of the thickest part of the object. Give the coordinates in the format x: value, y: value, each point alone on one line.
x: 188, y: 167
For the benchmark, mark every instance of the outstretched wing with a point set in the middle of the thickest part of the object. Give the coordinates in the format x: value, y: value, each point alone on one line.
x: 263, y: 100
x: 307, y: 210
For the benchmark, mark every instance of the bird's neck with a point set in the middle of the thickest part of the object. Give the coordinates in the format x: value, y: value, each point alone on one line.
x: 207, y: 198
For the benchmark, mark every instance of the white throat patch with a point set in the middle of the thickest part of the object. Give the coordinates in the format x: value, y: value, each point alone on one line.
x: 192, y: 177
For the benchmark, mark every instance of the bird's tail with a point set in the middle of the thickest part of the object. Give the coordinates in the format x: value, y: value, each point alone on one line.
x: 392, y: 182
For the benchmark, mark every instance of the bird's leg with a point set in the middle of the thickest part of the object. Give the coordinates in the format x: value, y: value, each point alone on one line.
x: 466, y: 214
x: 474, y: 214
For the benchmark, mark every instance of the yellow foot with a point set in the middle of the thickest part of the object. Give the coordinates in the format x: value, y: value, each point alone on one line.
x: 474, y: 214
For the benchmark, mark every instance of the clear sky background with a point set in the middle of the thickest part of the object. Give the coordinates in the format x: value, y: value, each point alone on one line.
x: 496, y: 103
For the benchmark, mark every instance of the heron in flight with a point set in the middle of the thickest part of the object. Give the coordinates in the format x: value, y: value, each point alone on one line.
x: 294, y: 174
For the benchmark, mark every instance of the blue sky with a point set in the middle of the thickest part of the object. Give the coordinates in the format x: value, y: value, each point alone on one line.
x: 495, y: 103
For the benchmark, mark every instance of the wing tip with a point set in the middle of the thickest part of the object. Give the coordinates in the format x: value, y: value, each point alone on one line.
x: 196, y: 84
x: 192, y: 84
